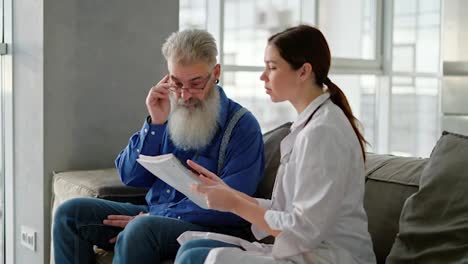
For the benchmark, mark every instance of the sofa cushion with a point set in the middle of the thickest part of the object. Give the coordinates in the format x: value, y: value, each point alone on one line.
x: 271, y: 140
x: 390, y: 181
x: 433, y: 222
x: 103, y: 184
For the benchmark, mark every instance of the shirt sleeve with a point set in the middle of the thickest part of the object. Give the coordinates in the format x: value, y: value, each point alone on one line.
x: 147, y: 141
x: 319, y: 172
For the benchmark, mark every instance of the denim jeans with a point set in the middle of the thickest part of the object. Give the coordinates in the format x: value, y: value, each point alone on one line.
x: 196, y: 251
x: 149, y: 239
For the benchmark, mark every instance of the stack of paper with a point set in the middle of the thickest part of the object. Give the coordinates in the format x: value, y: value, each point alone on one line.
x: 169, y: 169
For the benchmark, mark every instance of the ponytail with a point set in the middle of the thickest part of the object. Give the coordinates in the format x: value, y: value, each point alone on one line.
x: 338, y: 97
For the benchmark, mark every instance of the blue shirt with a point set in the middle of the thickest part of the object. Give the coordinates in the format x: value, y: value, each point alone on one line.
x: 243, y: 165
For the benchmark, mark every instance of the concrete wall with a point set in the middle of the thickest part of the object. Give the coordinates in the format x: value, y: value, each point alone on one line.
x: 82, y: 69
x: 28, y: 81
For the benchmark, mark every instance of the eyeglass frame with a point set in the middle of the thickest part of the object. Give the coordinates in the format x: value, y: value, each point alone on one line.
x: 191, y: 90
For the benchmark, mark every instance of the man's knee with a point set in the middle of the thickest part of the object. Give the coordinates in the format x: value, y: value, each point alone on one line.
x: 187, y: 246
x: 65, y: 217
x: 138, y: 229
x: 196, y: 243
x: 154, y: 230
x: 195, y: 255
x: 72, y: 207
x: 67, y: 209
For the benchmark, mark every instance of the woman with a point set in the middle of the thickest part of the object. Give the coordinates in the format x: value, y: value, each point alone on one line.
x: 316, y: 212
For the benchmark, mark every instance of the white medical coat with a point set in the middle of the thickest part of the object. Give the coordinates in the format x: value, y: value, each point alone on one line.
x: 317, y: 200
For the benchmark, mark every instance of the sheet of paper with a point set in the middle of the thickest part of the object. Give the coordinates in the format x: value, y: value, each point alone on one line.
x: 169, y: 169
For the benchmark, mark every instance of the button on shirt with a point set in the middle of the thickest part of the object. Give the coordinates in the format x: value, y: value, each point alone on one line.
x: 243, y: 165
x: 319, y: 189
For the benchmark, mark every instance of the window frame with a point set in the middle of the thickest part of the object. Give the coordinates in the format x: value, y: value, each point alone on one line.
x: 7, y: 135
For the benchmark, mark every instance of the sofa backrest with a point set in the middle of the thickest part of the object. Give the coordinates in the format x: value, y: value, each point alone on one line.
x: 390, y: 180
x: 271, y: 140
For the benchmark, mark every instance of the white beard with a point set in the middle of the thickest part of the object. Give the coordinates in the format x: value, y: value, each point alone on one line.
x: 194, y: 129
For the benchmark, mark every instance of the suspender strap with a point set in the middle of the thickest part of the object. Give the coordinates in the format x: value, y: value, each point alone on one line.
x: 227, y: 136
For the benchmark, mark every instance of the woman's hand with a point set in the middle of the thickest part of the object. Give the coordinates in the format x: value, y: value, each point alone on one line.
x: 218, y: 194
x: 210, y: 177
x: 221, y: 197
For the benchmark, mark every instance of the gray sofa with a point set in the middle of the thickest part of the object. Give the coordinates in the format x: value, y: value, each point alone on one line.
x: 390, y: 181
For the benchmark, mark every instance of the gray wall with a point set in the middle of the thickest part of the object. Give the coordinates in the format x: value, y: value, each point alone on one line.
x: 82, y: 69
x: 28, y: 81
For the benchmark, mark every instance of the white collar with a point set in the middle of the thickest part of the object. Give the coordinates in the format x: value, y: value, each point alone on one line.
x: 304, y: 115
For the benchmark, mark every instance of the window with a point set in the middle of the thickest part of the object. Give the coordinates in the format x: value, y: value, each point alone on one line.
x: 248, y: 90
x: 361, y: 33
x: 350, y: 27
x: 242, y: 38
x: 193, y: 14
x: 415, y: 79
x: 248, y: 24
x: 414, y: 115
x: 361, y: 93
x: 455, y: 40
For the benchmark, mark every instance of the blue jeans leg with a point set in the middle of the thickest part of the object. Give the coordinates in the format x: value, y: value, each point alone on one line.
x: 196, y: 251
x: 78, y: 226
x: 151, y: 239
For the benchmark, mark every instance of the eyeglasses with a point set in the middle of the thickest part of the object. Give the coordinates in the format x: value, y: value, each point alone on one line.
x: 196, y: 87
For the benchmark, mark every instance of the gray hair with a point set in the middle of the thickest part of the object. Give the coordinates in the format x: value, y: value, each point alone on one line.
x: 189, y: 46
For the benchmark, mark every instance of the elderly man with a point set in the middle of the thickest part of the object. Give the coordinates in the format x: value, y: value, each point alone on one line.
x: 191, y: 117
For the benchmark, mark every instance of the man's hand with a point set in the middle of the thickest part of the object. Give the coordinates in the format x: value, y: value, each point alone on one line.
x: 120, y: 221
x: 157, y: 101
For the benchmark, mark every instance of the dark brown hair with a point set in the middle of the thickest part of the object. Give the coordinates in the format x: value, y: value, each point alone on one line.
x: 306, y: 44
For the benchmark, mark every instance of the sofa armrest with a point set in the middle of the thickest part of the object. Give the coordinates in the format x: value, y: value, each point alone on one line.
x: 104, y: 184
